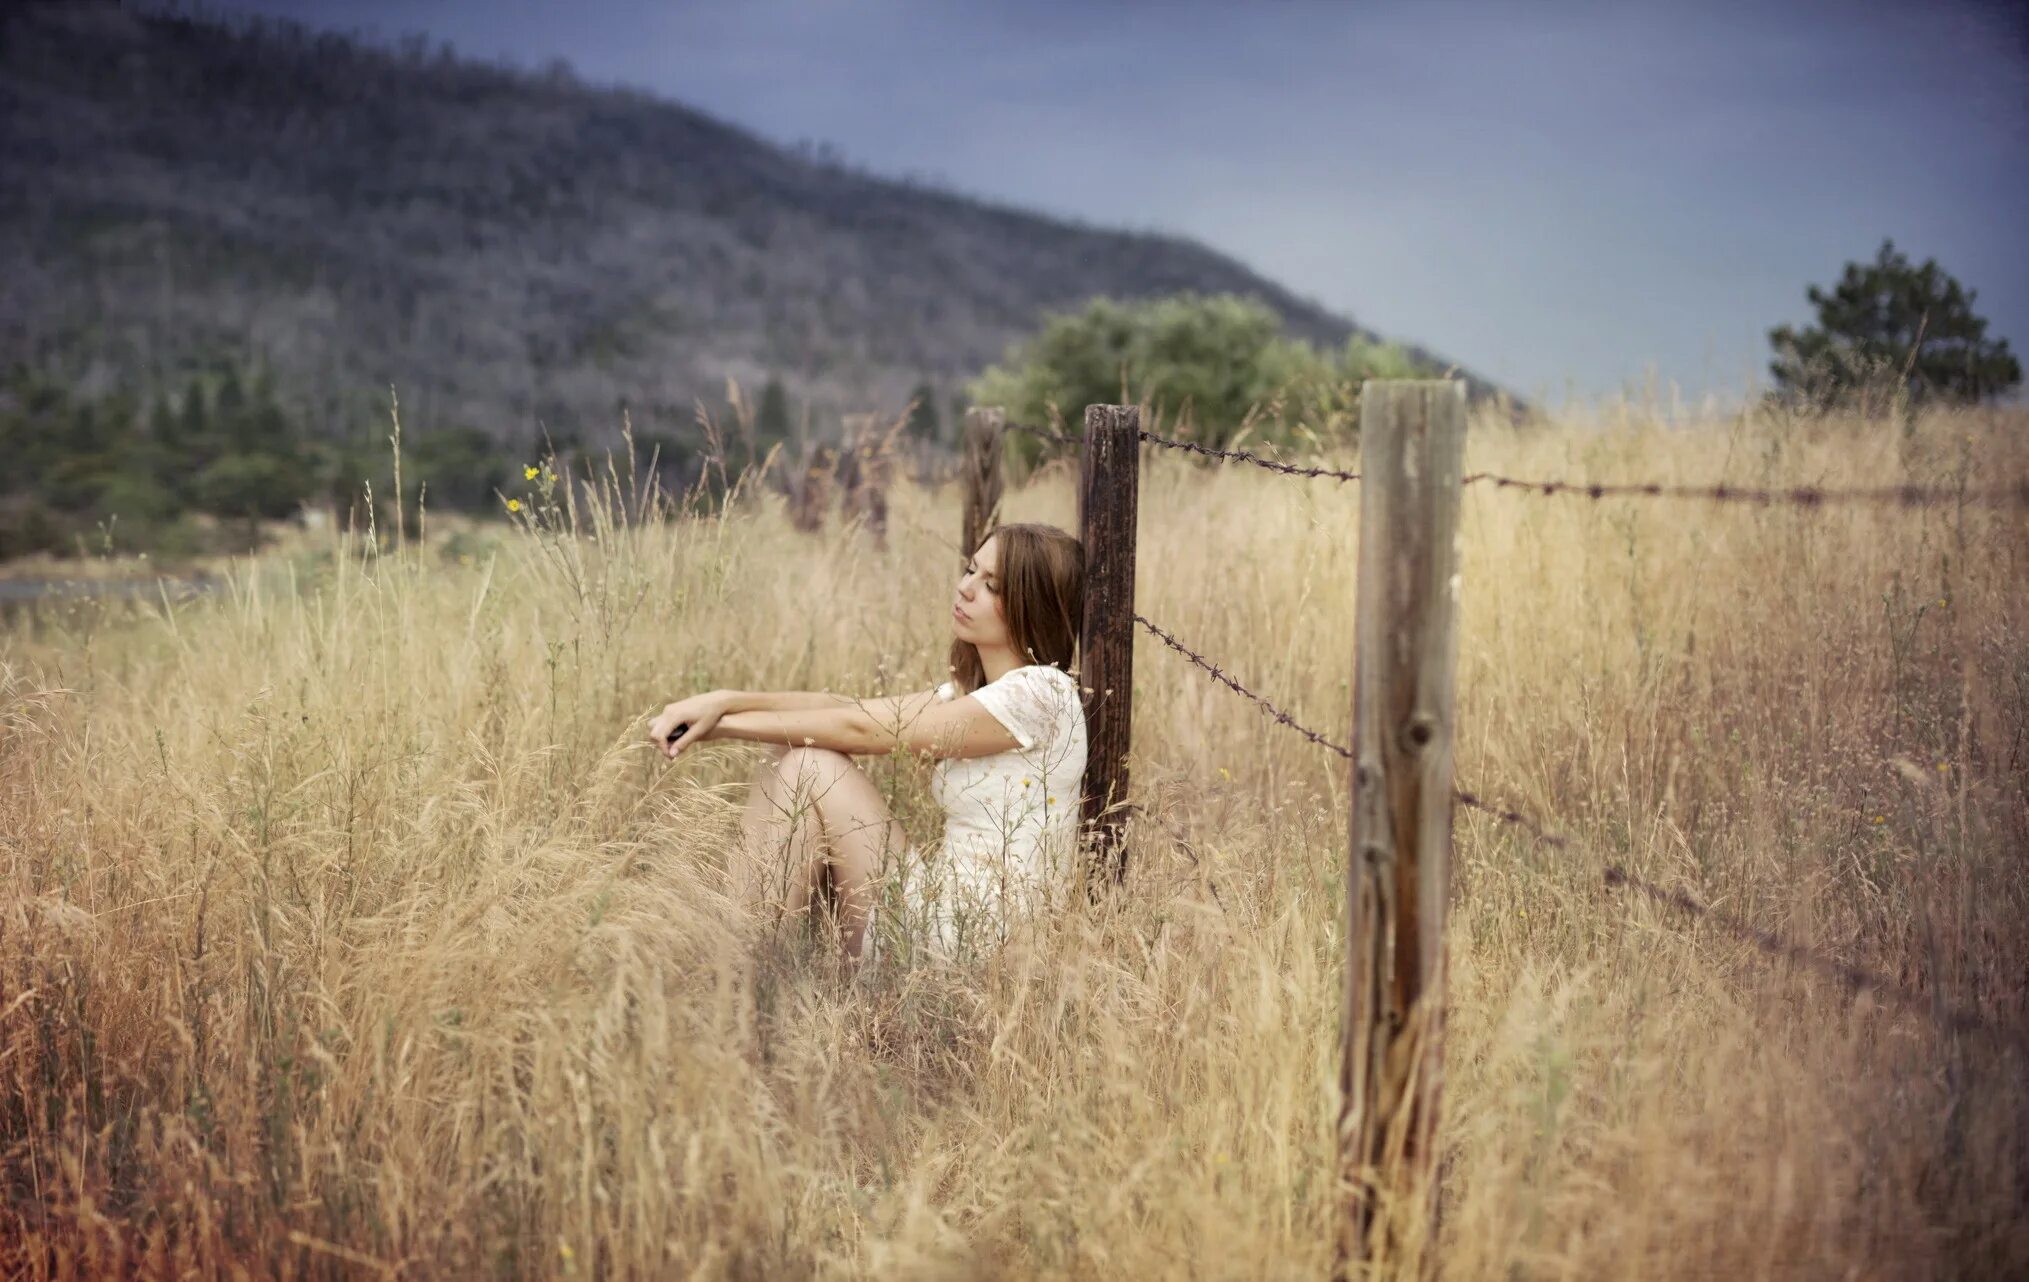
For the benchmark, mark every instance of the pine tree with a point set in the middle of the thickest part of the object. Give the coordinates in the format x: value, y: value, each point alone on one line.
x: 1891, y: 328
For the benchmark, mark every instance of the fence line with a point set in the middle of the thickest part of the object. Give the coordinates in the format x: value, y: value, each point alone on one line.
x: 1218, y: 674
x: 1414, y: 430
x: 1807, y: 496
x: 1472, y: 801
x: 1170, y: 443
x: 1856, y: 979
x: 1799, y: 496
x: 1462, y: 796
x: 1244, y: 456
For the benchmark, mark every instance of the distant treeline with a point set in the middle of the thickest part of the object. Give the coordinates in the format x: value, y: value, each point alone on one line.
x: 125, y: 472
x: 200, y: 464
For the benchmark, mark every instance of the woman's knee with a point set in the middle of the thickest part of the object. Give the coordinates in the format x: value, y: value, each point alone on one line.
x: 811, y: 754
x: 820, y: 765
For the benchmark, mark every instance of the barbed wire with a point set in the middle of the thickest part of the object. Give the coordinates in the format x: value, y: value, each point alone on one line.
x: 1856, y: 979
x: 1164, y: 442
x: 1459, y: 795
x: 1853, y: 977
x: 1508, y: 816
x: 1219, y: 674
x: 1244, y: 456
x: 1809, y: 496
x: 1797, y: 496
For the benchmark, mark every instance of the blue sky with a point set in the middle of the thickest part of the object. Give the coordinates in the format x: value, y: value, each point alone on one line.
x: 1563, y: 196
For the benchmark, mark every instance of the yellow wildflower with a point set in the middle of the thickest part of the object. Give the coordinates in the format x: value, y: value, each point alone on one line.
x: 1225, y: 773
x: 528, y: 473
x: 1881, y: 819
x: 1027, y: 782
x: 514, y: 505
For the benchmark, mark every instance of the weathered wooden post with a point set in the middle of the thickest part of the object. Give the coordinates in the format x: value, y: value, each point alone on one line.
x: 984, y: 428
x: 1108, y: 492
x: 1412, y: 437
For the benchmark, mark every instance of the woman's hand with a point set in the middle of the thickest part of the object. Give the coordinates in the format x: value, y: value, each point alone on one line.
x: 688, y: 721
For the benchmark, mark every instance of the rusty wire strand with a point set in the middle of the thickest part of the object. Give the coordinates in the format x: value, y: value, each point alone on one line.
x: 1244, y: 456
x: 1164, y: 442
x: 1807, y: 496
x: 1508, y: 816
x: 1799, y: 496
x: 1459, y: 795
x: 1220, y: 675
x: 1856, y: 979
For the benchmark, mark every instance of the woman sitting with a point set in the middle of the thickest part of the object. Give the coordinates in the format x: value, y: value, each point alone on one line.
x: 1008, y: 732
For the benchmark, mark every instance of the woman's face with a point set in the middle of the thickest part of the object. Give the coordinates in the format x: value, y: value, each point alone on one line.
x: 976, y: 613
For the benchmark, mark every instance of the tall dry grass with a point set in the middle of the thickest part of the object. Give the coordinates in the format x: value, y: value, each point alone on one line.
x: 349, y: 927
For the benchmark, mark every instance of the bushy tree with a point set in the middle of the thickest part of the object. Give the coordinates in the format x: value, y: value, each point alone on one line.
x: 253, y: 486
x: 462, y: 466
x: 1202, y: 366
x: 1890, y: 332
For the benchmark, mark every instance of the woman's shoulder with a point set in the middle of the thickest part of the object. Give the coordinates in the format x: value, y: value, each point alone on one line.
x: 1042, y: 677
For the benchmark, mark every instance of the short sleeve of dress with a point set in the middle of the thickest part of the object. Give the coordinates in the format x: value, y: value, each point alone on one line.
x: 1032, y: 702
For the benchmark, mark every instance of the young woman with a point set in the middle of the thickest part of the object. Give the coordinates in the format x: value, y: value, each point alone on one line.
x: 1008, y: 732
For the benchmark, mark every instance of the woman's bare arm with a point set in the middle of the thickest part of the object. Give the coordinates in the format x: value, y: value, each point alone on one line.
x: 962, y: 728
x: 888, y: 710
x: 792, y: 717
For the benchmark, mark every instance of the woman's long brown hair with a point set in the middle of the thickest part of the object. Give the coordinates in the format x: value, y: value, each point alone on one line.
x: 1042, y: 593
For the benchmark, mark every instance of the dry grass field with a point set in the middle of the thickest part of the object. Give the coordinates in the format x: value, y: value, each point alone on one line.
x: 349, y: 927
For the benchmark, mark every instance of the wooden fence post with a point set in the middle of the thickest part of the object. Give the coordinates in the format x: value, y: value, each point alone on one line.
x: 1412, y: 438
x: 983, y: 430
x: 1108, y: 492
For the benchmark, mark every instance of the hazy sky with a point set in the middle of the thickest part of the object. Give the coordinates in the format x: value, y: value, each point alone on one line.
x: 1562, y: 196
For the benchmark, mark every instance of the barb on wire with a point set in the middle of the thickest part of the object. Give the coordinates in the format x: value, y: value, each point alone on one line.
x: 1219, y: 675
x: 1460, y: 795
x: 1044, y: 433
x: 1798, y: 496
x: 1243, y: 456
x: 1507, y: 816
x: 1855, y: 978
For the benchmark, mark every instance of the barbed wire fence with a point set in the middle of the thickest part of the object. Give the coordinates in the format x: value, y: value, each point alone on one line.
x: 1616, y: 877
x: 1394, y: 990
x: 1806, y: 496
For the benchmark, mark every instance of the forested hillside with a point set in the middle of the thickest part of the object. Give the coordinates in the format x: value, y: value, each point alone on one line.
x: 500, y: 245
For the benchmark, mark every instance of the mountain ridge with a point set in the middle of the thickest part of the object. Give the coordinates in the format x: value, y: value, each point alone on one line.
x: 502, y: 246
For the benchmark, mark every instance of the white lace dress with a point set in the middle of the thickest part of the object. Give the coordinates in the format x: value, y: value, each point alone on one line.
x: 1010, y: 819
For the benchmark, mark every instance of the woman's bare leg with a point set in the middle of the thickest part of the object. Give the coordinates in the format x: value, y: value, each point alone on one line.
x: 780, y: 837
x: 811, y: 812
